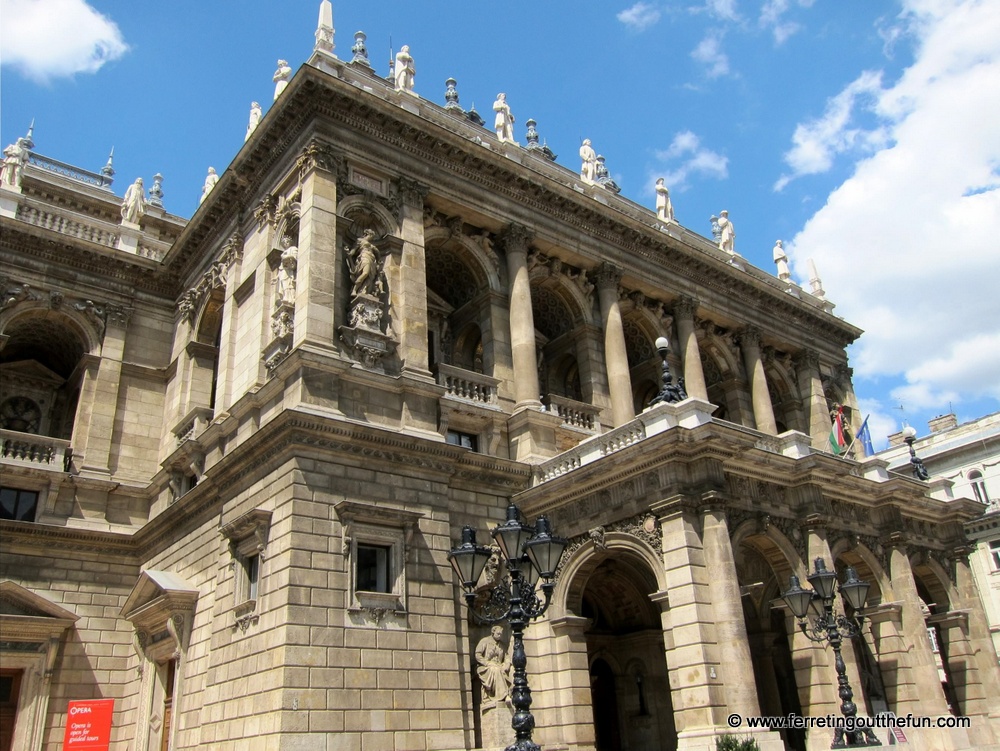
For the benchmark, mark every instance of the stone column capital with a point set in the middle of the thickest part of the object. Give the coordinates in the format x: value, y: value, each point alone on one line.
x: 685, y: 307
x: 608, y: 276
x: 750, y: 336
x: 317, y: 155
x: 412, y: 192
x: 515, y: 238
x: 808, y: 358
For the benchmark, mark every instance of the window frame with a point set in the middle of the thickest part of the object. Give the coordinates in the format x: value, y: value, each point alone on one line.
x: 18, y: 492
x: 247, y: 536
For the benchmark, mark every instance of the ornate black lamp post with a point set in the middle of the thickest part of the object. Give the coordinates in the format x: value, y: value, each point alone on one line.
x: 833, y: 629
x: 916, y: 463
x: 529, y: 553
x: 669, y: 392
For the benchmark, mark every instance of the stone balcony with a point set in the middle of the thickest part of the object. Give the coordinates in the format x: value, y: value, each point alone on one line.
x: 34, y: 451
x: 467, y: 385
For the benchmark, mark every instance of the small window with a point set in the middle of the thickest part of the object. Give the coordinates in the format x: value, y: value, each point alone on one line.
x: 979, y: 486
x: 247, y: 537
x: 995, y: 554
x: 373, y: 568
x: 465, y: 440
x: 18, y: 505
x: 251, y: 577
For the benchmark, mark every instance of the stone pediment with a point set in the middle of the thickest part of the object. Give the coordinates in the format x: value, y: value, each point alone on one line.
x: 33, y: 372
x: 156, y: 597
x: 29, y: 617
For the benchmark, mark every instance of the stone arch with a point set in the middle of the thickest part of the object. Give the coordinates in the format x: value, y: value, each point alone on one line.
x: 933, y: 580
x: 364, y: 213
x: 783, y: 390
x: 483, y: 266
x: 868, y: 567
x: 722, y: 369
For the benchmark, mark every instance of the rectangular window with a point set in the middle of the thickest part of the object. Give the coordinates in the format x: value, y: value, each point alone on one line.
x: 995, y: 554
x: 373, y: 568
x: 18, y: 505
x: 251, y: 568
x: 465, y: 440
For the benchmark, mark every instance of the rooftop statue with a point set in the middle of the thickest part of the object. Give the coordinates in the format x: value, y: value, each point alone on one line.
x: 210, y: 180
x: 15, y: 157
x: 588, y: 170
x: 664, y: 208
x: 134, y: 202
x: 781, y: 260
x: 727, y: 235
x: 504, y: 121
x: 405, y: 71
x: 281, y: 76
x: 255, y: 115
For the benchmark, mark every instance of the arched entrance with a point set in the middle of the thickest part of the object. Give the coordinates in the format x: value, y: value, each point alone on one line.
x: 630, y: 689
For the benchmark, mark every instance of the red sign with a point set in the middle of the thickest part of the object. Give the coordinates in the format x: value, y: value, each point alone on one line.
x: 88, y: 725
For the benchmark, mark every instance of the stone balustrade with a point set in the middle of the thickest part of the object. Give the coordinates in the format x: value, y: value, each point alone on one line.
x: 575, y: 414
x: 467, y: 385
x: 67, y: 225
x: 193, y: 424
x: 35, y: 450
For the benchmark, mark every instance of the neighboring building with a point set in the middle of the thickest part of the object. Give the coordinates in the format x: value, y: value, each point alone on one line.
x: 237, y: 451
x: 969, y: 456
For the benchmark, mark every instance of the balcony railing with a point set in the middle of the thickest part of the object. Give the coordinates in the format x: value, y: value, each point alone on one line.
x: 467, y: 385
x: 575, y: 414
x: 30, y: 450
x: 66, y: 225
x: 100, y: 180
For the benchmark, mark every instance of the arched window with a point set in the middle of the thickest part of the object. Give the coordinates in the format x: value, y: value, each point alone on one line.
x: 979, y: 486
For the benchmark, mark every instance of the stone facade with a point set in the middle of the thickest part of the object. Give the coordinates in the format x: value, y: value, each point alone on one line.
x: 237, y: 452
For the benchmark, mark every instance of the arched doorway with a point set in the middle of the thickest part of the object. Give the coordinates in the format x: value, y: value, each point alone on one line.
x: 630, y: 688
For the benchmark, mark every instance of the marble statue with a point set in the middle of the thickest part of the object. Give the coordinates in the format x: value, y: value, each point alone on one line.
x: 210, y: 180
x: 15, y: 157
x: 363, y: 262
x: 664, y: 208
x: 404, y: 71
x: 494, y: 668
x: 781, y: 260
x: 134, y: 202
x: 284, y: 290
x: 255, y: 115
x: 504, y: 121
x: 588, y: 170
x: 727, y: 235
x: 281, y: 76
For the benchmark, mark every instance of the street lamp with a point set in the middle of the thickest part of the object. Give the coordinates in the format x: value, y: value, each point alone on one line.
x: 669, y: 392
x: 530, y: 554
x: 833, y: 629
x: 919, y: 470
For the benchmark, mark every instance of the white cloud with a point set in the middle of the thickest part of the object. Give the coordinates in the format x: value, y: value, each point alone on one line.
x: 772, y: 14
x: 709, y: 51
x: 640, y: 16
x: 881, y: 421
x: 724, y: 9
x: 817, y: 142
x: 693, y: 160
x: 908, y: 245
x: 47, y: 39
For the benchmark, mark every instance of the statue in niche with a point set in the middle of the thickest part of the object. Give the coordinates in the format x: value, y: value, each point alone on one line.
x: 404, y: 70
x: 504, y: 121
x: 281, y: 76
x: 588, y: 169
x: 134, y: 202
x: 284, y: 289
x: 494, y: 666
x: 364, y: 261
x: 664, y: 208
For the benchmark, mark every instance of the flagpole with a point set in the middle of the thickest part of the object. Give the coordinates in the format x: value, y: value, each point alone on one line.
x: 855, y: 438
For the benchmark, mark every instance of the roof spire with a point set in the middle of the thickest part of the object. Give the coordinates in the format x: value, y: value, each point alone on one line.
x: 324, y: 29
x: 108, y: 170
x: 28, y: 140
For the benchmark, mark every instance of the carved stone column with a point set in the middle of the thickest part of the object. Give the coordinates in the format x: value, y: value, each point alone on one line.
x: 413, y: 275
x: 522, y: 321
x: 317, y: 270
x: 763, y: 411
x: 736, y: 667
x: 811, y: 389
x: 694, y: 377
x: 615, y: 355
x: 981, y: 666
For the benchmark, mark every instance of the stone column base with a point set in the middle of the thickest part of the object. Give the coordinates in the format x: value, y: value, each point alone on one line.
x: 497, y: 731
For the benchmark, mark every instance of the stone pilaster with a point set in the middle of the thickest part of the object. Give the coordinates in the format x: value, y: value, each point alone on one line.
x: 522, y: 322
x: 981, y: 667
x: 615, y: 355
x: 811, y: 389
x: 412, y: 298
x: 694, y: 377
x: 103, y: 398
x: 233, y: 257
x: 316, y: 274
x: 763, y: 411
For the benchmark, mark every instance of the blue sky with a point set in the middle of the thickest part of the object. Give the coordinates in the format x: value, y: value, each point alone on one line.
x: 865, y: 135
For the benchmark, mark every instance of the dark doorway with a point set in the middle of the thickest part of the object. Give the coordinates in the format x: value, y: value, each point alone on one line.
x: 605, y: 702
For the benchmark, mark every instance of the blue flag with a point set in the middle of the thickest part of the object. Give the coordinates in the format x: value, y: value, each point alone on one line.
x: 865, y: 436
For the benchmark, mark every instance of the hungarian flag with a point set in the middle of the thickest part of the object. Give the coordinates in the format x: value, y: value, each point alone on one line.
x: 837, y: 443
